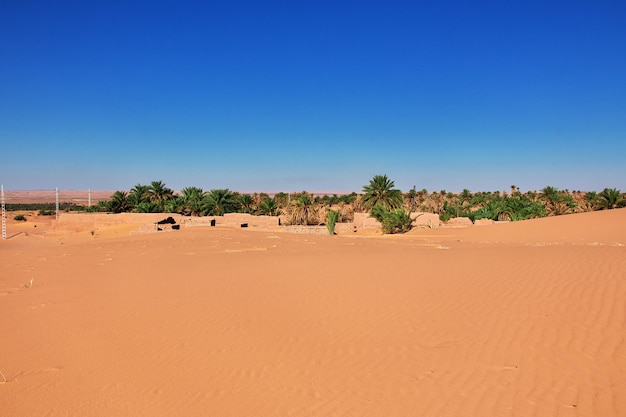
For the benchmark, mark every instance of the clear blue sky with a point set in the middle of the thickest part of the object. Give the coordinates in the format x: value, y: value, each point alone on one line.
x: 313, y: 95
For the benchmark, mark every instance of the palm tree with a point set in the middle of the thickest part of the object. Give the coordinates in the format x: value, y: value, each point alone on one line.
x: 119, y: 202
x: 173, y: 205
x: 219, y: 202
x: 158, y: 192
x: 611, y: 198
x: 552, y: 197
x: 268, y: 207
x: 282, y: 199
x: 191, y: 199
x: 138, y: 194
x: 148, y: 207
x: 380, y: 192
x: 411, y: 199
x: 246, y: 203
x: 304, y: 212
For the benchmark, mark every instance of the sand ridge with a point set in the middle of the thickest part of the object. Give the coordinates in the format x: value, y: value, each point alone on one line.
x: 519, y: 319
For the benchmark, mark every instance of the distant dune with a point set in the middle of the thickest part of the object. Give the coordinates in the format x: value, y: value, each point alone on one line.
x: 49, y: 196
x: 514, y: 319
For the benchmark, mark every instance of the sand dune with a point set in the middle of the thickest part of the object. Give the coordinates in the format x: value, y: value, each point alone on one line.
x: 519, y: 319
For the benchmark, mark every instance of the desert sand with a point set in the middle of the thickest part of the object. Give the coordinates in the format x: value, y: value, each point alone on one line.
x: 516, y: 319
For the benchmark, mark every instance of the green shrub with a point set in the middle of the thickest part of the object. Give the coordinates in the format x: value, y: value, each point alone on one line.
x: 393, y: 221
x: 397, y: 221
x: 332, y: 219
x: 20, y: 217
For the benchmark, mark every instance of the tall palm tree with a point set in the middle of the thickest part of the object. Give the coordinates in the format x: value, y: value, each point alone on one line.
x: 380, y: 192
x: 158, y: 192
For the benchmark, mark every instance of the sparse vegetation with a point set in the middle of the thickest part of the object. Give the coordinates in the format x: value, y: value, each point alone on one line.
x: 20, y: 218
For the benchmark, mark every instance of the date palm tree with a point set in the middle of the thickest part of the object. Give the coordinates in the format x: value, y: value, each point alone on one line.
x: 219, y: 202
x: 380, y: 192
x: 119, y: 202
x: 138, y: 194
x: 191, y: 200
x: 611, y: 198
x: 246, y: 202
x: 158, y: 192
x: 304, y: 212
x: 268, y: 207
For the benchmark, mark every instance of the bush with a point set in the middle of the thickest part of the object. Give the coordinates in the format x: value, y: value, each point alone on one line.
x: 393, y: 221
x: 20, y: 217
x: 332, y: 219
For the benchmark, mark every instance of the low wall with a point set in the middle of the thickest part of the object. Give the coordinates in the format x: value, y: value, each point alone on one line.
x: 239, y: 219
x: 430, y: 220
x: 364, y: 221
x: 307, y: 230
x: 234, y: 220
x: 112, y: 219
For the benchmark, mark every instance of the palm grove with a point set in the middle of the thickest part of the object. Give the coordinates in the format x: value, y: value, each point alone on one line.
x: 387, y: 204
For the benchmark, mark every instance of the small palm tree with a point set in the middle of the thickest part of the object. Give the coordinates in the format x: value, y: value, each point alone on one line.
x: 268, y: 207
x: 119, y: 202
x: 191, y: 199
x: 611, y: 198
x: 147, y: 207
x: 304, y: 212
x: 392, y: 221
x: 246, y: 202
x: 380, y: 192
x: 332, y: 218
x: 138, y: 194
x: 219, y: 202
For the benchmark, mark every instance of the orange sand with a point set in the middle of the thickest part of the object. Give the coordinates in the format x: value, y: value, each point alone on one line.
x: 519, y: 319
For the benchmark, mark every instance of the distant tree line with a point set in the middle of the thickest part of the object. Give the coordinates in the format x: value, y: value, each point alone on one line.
x: 45, y: 208
x: 387, y: 204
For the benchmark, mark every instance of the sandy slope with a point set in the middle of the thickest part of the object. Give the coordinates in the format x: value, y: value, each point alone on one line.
x: 520, y: 319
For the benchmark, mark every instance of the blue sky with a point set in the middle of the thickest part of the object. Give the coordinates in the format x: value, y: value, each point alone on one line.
x: 317, y: 96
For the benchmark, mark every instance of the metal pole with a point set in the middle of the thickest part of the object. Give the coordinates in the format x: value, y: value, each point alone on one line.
x: 89, y: 202
x: 57, y: 202
x: 4, y: 215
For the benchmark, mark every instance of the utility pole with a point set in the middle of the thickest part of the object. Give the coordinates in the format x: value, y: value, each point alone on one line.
x: 57, y: 202
x: 4, y: 215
